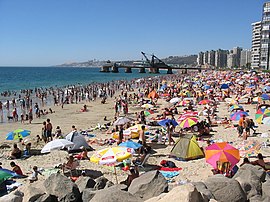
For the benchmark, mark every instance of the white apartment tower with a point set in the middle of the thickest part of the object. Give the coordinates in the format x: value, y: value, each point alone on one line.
x: 265, y: 38
x: 256, y: 44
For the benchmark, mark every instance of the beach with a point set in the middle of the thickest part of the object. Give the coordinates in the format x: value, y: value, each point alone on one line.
x: 71, y: 114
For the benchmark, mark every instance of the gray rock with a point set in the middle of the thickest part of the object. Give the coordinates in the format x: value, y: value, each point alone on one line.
x: 266, y: 189
x: 47, y: 198
x: 85, y: 182
x: 113, y: 194
x: 100, y: 183
x: 109, y: 184
x: 206, y: 194
x: 148, y: 185
x: 62, y: 187
x: 225, y: 189
x: 187, y: 193
x: 249, y: 181
x: 15, y: 196
x: 32, y: 191
x: 88, y: 194
x: 257, y: 170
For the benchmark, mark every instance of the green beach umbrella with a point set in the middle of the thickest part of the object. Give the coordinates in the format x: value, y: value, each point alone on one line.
x: 17, y: 134
x: 4, y: 176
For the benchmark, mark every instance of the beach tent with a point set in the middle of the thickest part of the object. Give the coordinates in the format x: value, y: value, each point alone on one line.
x: 187, y: 148
x: 78, y: 141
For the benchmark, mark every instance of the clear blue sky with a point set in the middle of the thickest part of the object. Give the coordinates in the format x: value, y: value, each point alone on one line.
x: 48, y: 32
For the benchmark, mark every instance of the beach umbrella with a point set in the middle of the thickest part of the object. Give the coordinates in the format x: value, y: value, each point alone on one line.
x: 222, y: 152
x: 17, y: 134
x: 15, y: 175
x: 56, y: 145
x: 4, y: 175
x: 186, y: 115
x: 204, y: 102
x: 183, y: 102
x: 121, y: 121
x: 234, y: 107
x: 165, y: 121
x: 110, y: 156
x: 206, y: 87
x: 265, y: 96
x: 266, y: 121
x: 261, y: 114
x: 175, y: 100
x: 237, y: 115
x: 266, y: 89
x: 188, y: 122
x: 147, y: 106
x: 130, y: 144
x: 224, y: 86
x: 148, y: 112
x: 248, y: 148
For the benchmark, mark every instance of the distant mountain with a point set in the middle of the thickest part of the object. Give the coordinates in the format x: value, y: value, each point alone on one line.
x: 180, y: 60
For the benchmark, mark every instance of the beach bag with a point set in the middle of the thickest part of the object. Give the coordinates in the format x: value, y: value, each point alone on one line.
x: 168, y: 164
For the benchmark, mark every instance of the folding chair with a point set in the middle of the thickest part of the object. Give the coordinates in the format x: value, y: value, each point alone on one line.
x: 141, y: 165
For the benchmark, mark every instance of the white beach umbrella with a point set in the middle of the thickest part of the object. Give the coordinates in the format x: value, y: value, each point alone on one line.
x: 56, y: 145
x: 175, y: 100
x: 121, y: 121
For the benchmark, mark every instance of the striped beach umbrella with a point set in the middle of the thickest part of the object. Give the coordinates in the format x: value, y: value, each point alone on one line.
x: 222, y: 152
x: 261, y: 114
x: 188, y: 122
x: 237, y: 115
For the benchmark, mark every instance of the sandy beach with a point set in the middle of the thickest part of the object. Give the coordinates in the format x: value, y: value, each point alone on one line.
x: 193, y: 170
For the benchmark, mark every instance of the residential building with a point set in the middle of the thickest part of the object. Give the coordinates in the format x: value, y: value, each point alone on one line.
x: 221, y: 58
x: 265, y: 40
x: 211, y: 58
x: 205, y: 58
x: 237, y: 52
x: 256, y: 44
x: 245, y: 59
x: 200, y: 58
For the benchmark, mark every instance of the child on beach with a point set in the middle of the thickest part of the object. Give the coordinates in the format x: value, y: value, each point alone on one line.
x: 34, y: 174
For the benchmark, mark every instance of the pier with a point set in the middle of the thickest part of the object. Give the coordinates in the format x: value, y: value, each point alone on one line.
x: 153, y: 66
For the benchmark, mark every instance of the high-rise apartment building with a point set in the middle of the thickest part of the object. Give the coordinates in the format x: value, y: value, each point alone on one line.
x: 221, y: 58
x: 205, y: 57
x: 211, y: 58
x: 245, y: 59
x: 265, y: 39
x: 256, y: 44
x: 200, y: 58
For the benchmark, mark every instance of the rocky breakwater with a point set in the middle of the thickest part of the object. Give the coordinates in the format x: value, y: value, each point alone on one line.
x: 251, y: 183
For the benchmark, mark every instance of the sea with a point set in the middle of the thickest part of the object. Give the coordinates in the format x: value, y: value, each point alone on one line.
x: 17, y: 78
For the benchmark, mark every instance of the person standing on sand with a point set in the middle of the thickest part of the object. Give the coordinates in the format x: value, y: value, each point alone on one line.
x: 49, y: 128
x: 43, y: 132
x: 30, y: 115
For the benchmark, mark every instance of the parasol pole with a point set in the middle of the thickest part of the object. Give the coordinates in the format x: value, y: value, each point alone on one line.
x: 115, y: 174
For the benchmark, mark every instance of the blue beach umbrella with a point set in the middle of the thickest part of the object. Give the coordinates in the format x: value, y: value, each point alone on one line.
x: 206, y: 87
x: 265, y: 96
x: 17, y: 134
x: 235, y: 107
x: 237, y: 115
x: 15, y: 175
x: 130, y: 144
x: 224, y: 86
x: 266, y: 89
x: 163, y: 122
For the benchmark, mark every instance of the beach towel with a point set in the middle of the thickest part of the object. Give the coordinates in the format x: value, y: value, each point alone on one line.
x: 169, y: 174
x: 169, y: 169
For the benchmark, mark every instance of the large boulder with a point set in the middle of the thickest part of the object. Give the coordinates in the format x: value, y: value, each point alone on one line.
x: 114, y: 193
x: 15, y: 196
x: 266, y: 189
x: 47, y: 198
x: 88, y: 194
x: 148, y: 185
x: 249, y: 181
x: 32, y: 191
x: 257, y: 170
x: 225, y: 189
x: 187, y: 193
x: 100, y: 183
x: 85, y: 182
x: 206, y: 194
x: 62, y: 187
